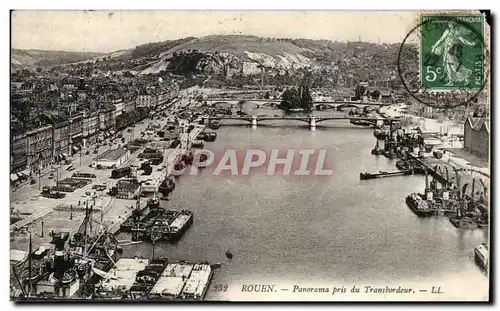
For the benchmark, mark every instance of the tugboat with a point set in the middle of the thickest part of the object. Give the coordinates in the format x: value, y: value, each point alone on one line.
x: 481, y: 255
x: 418, y: 205
x: 167, y: 186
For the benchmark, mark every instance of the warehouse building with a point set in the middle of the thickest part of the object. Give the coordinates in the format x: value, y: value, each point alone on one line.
x: 477, y: 136
x: 112, y: 158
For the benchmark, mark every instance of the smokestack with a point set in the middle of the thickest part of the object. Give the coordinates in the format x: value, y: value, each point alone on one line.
x: 59, y: 240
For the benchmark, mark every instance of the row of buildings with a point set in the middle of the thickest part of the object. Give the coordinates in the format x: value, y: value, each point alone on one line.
x: 56, y: 136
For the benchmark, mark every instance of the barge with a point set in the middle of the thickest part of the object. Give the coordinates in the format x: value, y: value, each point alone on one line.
x: 418, y: 205
x: 183, y: 281
x: 147, y: 278
x: 119, y: 280
x: 364, y: 176
x: 181, y: 223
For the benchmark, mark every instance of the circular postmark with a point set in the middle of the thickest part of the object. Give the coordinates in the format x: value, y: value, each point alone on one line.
x: 453, y: 60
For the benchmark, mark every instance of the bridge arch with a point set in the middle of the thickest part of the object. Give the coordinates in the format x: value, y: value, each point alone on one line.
x: 347, y: 105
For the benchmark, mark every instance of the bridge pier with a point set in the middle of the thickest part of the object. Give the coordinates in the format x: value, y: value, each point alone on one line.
x: 312, y: 123
x: 254, y: 121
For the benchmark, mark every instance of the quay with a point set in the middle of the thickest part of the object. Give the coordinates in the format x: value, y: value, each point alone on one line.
x: 98, y: 215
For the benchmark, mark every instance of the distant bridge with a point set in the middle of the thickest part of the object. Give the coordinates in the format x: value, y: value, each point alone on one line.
x: 332, y: 104
x: 312, y: 120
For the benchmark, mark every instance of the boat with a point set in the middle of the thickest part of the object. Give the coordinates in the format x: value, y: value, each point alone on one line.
x: 188, y: 158
x: 179, y: 168
x: 182, y: 221
x: 361, y: 122
x: 463, y: 222
x: 201, y: 136
x: 154, y: 202
x: 167, y: 186
x: 197, y: 144
x: 210, y: 136
x: 182, y: 281
x: 229, y: 255
x: 61, y: 275
x: 418, y: 205
x: 380, y: 134
x: 481, y: 255
x: 364, y: 176
x: 214, y: 124
x: 377, y: 150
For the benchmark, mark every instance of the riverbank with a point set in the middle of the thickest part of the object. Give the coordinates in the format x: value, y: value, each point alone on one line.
x: 56, y: 214
x: 455, y: 155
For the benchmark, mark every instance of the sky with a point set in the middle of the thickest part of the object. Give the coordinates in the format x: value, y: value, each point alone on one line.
x: 108, y: 31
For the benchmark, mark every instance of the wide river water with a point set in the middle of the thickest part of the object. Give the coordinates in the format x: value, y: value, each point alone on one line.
x: 319, y: 231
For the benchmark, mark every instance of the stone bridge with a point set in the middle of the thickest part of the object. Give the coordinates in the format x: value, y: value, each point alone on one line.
x: 339, y: 105
x: 311, y: 120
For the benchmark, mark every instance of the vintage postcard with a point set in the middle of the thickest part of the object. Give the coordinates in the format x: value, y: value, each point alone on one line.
x: 250, y: 156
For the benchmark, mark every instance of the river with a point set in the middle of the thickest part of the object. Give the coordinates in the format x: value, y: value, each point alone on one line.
x: 319, y: 231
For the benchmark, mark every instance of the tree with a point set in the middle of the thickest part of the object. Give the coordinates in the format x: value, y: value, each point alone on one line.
x: 297, y: 98
x: 360, y: 91
x: 375, y: 94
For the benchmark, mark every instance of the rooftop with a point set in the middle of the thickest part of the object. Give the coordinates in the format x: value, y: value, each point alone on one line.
x: 112, y: 154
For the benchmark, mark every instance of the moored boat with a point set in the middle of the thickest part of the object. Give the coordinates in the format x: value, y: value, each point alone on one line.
x: 154, y: 202
x: 167, y: 186
x: 182, y: 221
x: 418, y: 205
x: 214, y: 124
x: 481, y: 255
x: 210, y: 136
x: 380, y: 134
x: 197, y: 144
x: 179, y: 168
x: 377, y: 150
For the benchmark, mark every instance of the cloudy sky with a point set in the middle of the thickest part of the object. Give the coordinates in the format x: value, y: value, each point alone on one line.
x: 107, y: 31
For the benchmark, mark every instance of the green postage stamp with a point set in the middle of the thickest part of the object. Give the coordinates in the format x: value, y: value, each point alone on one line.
x: 452, y: 52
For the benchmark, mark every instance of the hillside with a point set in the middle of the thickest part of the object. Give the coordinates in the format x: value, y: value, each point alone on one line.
x: 39, y: 58
x: 229, y: 54
x: 237, y: 45
x: 249, y: 55
x: 243, y: 59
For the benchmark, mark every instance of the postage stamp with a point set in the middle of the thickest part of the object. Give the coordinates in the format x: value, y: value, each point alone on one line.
x: 452, y: 52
